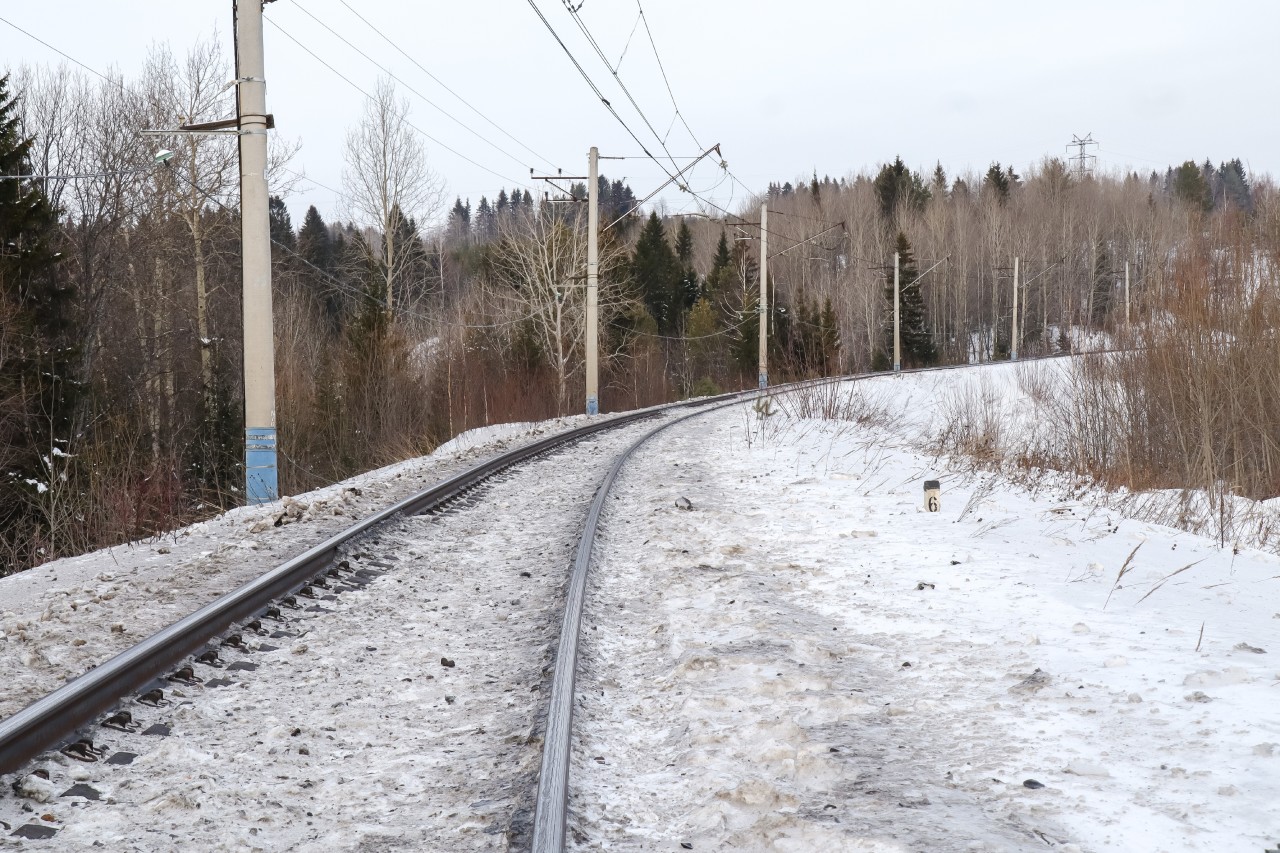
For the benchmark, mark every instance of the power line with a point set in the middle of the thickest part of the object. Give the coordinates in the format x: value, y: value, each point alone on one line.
x: 343, y: 286
x: 393, y: 76
x: 721, y: 333
x: 591, y: 40
x: 805, y: 218
x: 356, y: 86
x: 60, y: 53
x: 443, y: 85
x: 674, y: 105
x: 594, y: 87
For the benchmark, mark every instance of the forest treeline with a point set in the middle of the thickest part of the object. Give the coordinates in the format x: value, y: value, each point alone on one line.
x: 402, y: 320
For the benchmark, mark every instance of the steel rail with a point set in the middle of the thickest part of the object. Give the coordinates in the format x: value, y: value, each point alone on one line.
x: 552, y: 803
x: 53, y: 719
x: 551, y: 809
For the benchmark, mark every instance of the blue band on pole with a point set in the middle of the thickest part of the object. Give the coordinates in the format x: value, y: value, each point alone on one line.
x: 593, y: 406
x: 261, y: 483
x: 764, y: 380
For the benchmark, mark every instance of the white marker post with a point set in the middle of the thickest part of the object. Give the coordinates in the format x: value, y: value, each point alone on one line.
x: 932, y: 496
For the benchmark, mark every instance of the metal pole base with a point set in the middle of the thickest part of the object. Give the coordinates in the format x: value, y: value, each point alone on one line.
x: 261, y: 483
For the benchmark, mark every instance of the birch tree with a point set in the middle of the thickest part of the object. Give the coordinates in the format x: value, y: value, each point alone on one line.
x: 389, y: 187
x: 540, y: 263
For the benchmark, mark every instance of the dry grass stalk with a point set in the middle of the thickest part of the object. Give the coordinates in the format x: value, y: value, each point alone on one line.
x: 1119, y: 577
x: 1167, y: 577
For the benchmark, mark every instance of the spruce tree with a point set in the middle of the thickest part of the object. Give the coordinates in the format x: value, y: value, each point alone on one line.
x: 997, y: 181
x: 486, y: 220
x: 1189, y: 185
x: 897, y: 185
x: 38, y: 380
x: 656, y: 270
x: 918, y: 349
x: 690, y: 287
x: 460, y: 220
x: 314, y: 244
x: 281, y: 225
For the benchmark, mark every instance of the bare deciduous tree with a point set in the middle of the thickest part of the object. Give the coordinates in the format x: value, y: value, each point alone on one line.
x: 541, y: 261
x: 390, y: 188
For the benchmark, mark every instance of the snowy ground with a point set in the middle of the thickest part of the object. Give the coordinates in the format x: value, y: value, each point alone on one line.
x: 807, y: 660
x: 63, y: 618
x: 804, y: 660
x: 405, y: 717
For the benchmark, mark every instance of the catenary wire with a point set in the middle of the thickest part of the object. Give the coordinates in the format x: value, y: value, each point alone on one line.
x: 60, y: 53
x: 442, y: 84
x: 411, y: 88
x: 349, y: 289
x: 665, y: 80
x: 594, y: 88
x: 591, y: 40
x: 359, y: 89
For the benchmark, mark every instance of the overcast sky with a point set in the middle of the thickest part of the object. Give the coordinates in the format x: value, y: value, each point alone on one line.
x: 785, y: 87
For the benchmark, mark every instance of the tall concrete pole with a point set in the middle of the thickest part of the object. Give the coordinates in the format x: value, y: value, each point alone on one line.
x: 764, y: 295
x: 261, y: 482
x: 897, y: 319
x: 593, y: 271
x: 1013, y: 334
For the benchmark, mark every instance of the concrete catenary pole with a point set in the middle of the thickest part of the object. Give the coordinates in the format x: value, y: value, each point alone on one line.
x: 593, y: 272
x: 897, y: 319
x: 764, y: 295
x: 1013, y: 333
x: 261, y: 481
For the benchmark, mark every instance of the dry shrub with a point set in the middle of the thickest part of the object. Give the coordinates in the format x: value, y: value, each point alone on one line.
x: 1195, y: 404
x: 973, y: 422
x: 835, y: 401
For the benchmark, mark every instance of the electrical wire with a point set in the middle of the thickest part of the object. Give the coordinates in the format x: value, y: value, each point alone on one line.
x: 591, y: 40
x: 60, y: 53
x: 443, y: 85
x: 805, y: 218
x: 408, y: 86
x: 627, y: 46
x: 357, y: 87
x: 718, y: 334
x: 137, y: 171
x: 594, y: 88
x: 674, y: 105
x: 343, y: 286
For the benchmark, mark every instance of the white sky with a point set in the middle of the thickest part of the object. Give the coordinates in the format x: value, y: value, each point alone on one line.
x: 785, y: 88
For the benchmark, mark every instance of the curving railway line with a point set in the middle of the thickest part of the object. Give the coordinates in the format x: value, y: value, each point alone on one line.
x: 127, y: 697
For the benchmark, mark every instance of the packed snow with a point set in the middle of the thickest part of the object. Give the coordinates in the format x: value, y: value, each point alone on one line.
x: 61, y: 619
x: 783, y: 651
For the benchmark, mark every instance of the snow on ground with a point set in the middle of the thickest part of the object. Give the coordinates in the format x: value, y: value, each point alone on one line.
x: 407, y: 717
x: 60, y: 619
x: 803, y: 660
x: 806, y: 660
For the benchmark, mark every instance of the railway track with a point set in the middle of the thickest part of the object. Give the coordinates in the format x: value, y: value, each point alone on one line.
x: 68, y: 718
x: 71, y: 718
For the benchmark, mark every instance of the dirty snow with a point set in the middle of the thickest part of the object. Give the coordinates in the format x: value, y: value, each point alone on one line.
x: 799, y: 658
x: 406, y: 716
x: 60, y: 619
